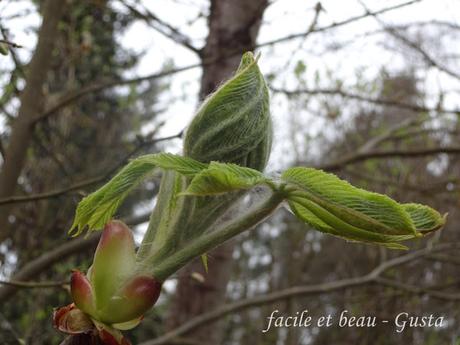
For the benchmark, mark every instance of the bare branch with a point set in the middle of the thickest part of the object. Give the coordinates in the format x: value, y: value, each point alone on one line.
x: 417, y: 290
x: 423, y: 188
x: 374, y: 277
x: 15, y: 58
x: 358, y: 97
x: 162, y: 27
x: 414, y: 46
x: 86, y: 182
x: 33, y: 285
x: 338, y: 24
x: 73, y: 96
x: 102, y: 85
x: 11, y: 44
x: 59, y: 253
x: 44, y: 261
x: 427, y: 57
x: 360, y: 157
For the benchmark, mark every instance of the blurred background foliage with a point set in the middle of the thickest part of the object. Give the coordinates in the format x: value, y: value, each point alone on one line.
x: 391, y: 131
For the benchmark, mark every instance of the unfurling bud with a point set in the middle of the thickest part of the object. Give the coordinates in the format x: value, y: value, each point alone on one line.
x: 115, y: 293
x: 233, y: 125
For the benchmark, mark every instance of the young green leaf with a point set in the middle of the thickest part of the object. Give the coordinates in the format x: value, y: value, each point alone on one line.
x: 98, y: 208
x: 425, y: 218
x: 332, y: 205
x: 233, y: 124
x: 221, y: 178
x: 322, y: 220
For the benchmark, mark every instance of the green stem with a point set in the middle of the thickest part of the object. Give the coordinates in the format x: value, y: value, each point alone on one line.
x: 163, y: 269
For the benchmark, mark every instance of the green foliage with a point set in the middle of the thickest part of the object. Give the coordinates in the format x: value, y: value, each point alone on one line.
x: 334, y: 206
x: 322, y: 200
x: 98, y: 208
x: 221, y: 178
x: 424, y: 218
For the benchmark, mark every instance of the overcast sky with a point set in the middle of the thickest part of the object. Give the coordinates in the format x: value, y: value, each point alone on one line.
x: 367, y: 54
x: 284, y: 17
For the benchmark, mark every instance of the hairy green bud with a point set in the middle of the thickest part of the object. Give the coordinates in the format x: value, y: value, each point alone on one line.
x: 233, y: 125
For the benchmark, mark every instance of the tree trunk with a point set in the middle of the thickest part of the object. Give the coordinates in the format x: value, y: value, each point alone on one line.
x: 233, y: 29
x: 31, y: 104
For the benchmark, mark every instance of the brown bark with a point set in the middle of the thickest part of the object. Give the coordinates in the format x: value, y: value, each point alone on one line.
x: 233, y: 28
x: 31, y: 105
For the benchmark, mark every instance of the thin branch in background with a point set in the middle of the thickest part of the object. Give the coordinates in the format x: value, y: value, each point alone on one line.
x: 17, y: 72
x: 60, y: 252
x: 10, y: 43
x: 16, y: 60
x: 17, y: 63
x: 338, y: 24
x: 417, y: 290
x: 451, y: 259
x: 424, y: 188
x: 318, y: 9
x: 35, y: 285
x: 53, y: 156
x: 73, y: 96
x: 87, y: 182
x: 162, y: 27
x: 413, y: 45
x: 374, y: 277
x: 358, y: 97
x: 360, y: 157
x: 427, y: 57
x: 373, y: 142
x: 411, y: 133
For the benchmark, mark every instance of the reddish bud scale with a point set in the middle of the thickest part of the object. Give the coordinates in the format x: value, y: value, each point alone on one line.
x: 82, y: 292
x: 71, y: 320
x: 109, y: 339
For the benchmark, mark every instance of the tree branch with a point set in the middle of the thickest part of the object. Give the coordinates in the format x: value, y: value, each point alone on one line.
x: 417, y: 290
x: 416, y: 47
x: 31, y: 101
x: 33, y: 285
x: 338, y: 24
x: 11, y: 44
x: 358, y: 97
x: 360, y: 157
x: 162, y: 27
x: 87, y: 182
x: 59, y: 253
x: 371, y: 278
x: 73, y: 96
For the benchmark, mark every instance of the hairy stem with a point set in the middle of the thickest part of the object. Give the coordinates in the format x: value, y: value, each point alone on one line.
x: 162, y: 269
